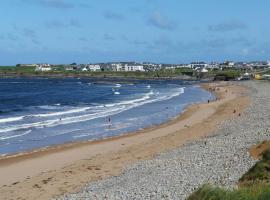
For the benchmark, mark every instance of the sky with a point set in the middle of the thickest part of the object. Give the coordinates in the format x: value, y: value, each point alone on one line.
x: 161, y: 31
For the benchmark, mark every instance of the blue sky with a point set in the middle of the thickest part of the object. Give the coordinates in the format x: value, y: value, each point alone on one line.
x: 171, y: 31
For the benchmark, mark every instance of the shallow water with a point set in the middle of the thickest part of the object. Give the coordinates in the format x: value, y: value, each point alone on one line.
x: 36, y: 112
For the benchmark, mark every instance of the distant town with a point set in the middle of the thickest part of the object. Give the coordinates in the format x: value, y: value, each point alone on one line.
x: 227, y: 70
x: 149, y: 67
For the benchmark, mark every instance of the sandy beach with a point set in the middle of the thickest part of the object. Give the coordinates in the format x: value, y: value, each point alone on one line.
x: 47, y: 173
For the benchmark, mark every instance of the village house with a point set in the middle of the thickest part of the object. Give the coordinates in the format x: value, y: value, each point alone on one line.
x: 43, y: 67
x: 134, y: 68
x: 117, y: 67
x: 94, y: 67
x: 198, y: 65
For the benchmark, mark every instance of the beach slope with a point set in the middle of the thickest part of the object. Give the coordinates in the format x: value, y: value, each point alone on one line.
x: 51, y: 172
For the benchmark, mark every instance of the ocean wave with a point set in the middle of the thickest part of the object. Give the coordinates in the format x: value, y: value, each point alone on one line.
x: 62, y: 121
x: 107, y: 110
x: 143, y: 98
x: 118, y: 85
x: 14, y: 136
x: 72, y: 111
x: 49, y: 107
x: 11, y: 119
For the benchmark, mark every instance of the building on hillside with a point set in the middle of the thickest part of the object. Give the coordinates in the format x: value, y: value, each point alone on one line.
x: 152, y: 67
x: 117, y: 67
x: 182, y: 66
x: 213, y: 66
x: 229, y: 63
x: 171, y: 67
x: 198, y: 65
x: 134, y: 68
x: 94, y: 68
x: 69, y: 68
x: 28, y: 65
x: 43, y: 67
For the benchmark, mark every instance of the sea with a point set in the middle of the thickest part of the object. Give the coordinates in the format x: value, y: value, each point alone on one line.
x: 42, y: 112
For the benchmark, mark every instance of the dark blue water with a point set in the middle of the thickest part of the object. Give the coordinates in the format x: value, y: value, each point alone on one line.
x: 37, y: 112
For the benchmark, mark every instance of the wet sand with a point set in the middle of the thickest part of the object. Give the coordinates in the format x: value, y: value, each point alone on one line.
x: 47, y: 173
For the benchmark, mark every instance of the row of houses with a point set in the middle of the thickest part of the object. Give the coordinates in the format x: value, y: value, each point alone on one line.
x: 142, y: 67
x: 131, y: 67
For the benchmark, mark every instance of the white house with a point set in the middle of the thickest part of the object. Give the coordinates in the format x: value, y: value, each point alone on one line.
x: 170, y: 67
x: 69, y: 68
x: 134, y: 68
x: 43, y: 68
x: 94, y: 68
x: 117, y: 67
x: 229, y: 63
x: 198, y: 65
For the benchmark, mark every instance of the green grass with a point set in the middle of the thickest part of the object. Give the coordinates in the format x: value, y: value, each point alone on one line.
x: 227, y: 75
x: 254, y: 185
x: 260, y: 172
x: 255, y: 192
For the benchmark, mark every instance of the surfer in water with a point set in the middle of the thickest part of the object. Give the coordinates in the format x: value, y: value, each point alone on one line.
x: 110, y: 123
x: 109, y: 119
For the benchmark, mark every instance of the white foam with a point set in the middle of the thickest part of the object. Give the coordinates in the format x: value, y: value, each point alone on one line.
x: 55, y: 122
x: 14, y: 136
x: 108, y: 109
x: 118, y: 85
x: 72, y: 111
x: 11, y: 119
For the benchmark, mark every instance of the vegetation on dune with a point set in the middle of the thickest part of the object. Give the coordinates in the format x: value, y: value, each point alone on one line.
x: 254, y: 185
x: 259, y: 173
x: 255, y: 192
x: 227, y: 75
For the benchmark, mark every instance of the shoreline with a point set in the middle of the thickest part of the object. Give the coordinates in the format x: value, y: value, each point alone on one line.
x: 75, y: 144
x: 67, y: 160
x: 219, y: 160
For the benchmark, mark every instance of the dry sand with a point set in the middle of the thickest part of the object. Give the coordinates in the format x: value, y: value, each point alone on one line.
x: 256, y: 151
x: 51, y: 172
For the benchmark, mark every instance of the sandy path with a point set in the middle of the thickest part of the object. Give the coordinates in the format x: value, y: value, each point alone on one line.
x: 66, y: 168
